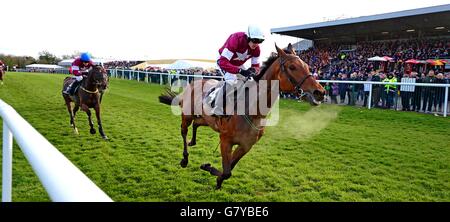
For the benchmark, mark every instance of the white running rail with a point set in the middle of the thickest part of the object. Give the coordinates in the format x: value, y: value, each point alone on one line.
x: 62, y: 180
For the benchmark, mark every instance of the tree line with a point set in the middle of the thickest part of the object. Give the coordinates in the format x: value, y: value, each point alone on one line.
x: 44, y: 57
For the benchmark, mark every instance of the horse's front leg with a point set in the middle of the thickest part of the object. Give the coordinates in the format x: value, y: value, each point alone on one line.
x: 72, y: 117
x: 91, y: 124
x: 238, y: 153
x: 75, y: 110
x: 194, y: 134
x: 186, y: 121
x: 225, y: 148
x: 99, y: 121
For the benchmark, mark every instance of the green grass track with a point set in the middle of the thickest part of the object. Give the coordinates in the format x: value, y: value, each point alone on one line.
x: 325, y: 153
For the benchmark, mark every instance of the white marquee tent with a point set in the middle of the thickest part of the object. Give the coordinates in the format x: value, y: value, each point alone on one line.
x: 43, y: 66
x: 190, y: 64
x: 68, y: 62
x: 162, y: 66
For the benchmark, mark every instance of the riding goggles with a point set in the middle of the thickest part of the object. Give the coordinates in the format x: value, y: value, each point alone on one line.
x: 258, y: 41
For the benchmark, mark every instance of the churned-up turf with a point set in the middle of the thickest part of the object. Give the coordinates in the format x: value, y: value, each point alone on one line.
x: 325, y: 153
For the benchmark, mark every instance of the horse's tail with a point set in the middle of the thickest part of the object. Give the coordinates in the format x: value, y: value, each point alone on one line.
x: 168, y: 97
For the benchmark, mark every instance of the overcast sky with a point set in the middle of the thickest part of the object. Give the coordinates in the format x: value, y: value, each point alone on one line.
x: 137, y: 29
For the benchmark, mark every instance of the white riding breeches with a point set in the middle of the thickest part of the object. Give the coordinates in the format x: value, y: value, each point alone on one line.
x: 230, y: 76
x: 78, y: 78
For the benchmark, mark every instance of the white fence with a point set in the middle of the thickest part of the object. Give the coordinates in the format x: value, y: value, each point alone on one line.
x: 62, y: 180
x: 165, y: 78
x: 370, y: 84
x: 155, y: 77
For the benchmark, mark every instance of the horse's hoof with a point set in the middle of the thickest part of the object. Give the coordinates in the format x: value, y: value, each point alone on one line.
x: 205, y: 166
x: 105, y: 137
x: 218, y: 187
x: 75, y: 131
x: 192, y: 143
x: 92, y: 131
x: 184, y: 163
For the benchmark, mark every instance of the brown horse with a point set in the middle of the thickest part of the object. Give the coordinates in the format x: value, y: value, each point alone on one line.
x: 293, y: 76
x: 88, y: 96
x: 2, y: 73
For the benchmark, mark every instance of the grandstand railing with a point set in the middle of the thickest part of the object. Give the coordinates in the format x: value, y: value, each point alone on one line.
x: 62, y: 180
x: 167, y: 78
x: 51, y: 71
x: 155, y: 77
x: 370, y: 84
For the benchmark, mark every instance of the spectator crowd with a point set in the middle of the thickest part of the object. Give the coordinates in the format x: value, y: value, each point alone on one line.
x: 350, y: 63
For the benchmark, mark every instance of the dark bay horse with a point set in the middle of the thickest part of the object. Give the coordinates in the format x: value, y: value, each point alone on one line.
x: 2, y: 73
x: 88, y: 96
x: 293, y: 76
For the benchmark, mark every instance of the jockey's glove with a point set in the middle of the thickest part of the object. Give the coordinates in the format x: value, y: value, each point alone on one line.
x: 253, y: 70
x: 246, y: 72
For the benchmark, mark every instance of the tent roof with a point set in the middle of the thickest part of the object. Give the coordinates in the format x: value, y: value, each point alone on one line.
x: 163, y: 63
x: 44, y: 66
x: 188, y: 64
x: 68, y: 62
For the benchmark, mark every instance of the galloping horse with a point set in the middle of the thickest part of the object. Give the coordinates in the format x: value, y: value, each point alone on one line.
x: 2, y: 73
x: 244, y: 130
x: 88, y: 96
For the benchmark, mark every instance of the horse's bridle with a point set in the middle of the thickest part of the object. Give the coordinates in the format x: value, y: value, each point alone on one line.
x: 91, y: 92
x: 297, y: 84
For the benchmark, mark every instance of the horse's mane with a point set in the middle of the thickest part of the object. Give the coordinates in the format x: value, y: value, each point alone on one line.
x: 268, y: 63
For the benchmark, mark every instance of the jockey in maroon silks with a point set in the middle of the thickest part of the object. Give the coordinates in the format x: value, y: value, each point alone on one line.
x: 3, y: 70
x: 3, y: 65
x: 239, y: 47
x: 79, y: 66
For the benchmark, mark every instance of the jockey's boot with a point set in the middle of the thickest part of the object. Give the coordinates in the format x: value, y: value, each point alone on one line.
x: 73, y: 87
x: 68, y: 89
x: 220, y: 103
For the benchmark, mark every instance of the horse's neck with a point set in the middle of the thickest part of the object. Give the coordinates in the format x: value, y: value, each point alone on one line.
x: 88, y: 83
x: 265, y: 93
x: 268, y: 78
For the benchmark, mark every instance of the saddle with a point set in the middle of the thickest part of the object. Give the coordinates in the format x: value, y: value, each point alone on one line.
x: 75, y: 85
x: 211, y: 99
x: 211, y: 95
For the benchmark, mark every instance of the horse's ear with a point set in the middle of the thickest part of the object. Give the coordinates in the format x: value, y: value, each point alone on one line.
x: 290, y: 48
x: 279, y: 51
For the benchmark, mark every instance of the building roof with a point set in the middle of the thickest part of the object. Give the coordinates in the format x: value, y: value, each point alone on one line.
x: 403, y: 24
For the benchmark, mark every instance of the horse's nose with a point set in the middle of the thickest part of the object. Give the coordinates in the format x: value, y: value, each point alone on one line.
x: 319, y: 94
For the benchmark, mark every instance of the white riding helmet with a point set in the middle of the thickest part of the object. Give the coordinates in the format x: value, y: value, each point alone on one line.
x: 254, y: 32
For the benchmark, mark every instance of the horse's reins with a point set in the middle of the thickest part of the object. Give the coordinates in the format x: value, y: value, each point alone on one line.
x: 297, y: 85
x: 292, y: 80
x: 88, y: 91
x: 92, y: 92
